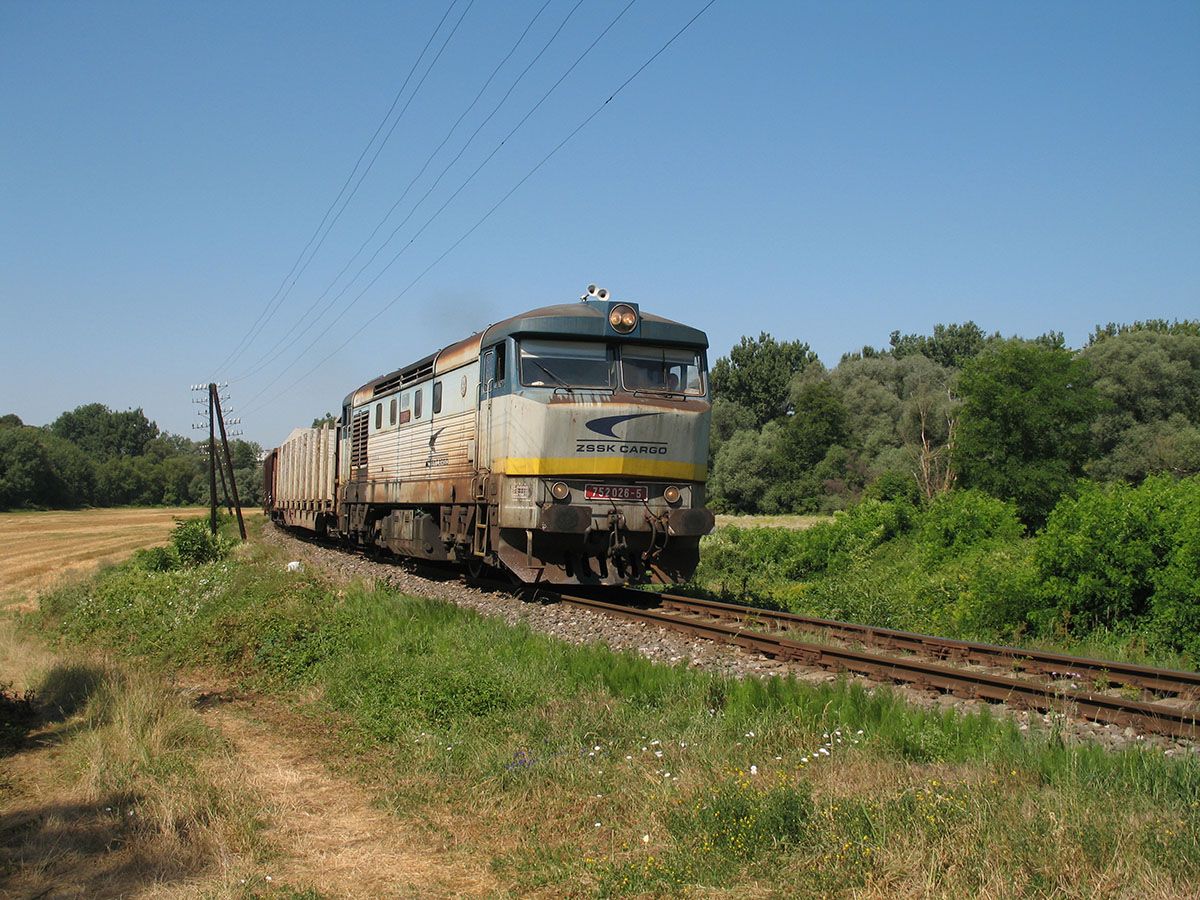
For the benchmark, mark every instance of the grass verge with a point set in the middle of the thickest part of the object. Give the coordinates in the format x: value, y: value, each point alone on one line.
x: 576, y: 769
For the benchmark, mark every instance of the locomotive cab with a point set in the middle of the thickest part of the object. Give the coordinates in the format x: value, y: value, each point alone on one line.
x: 596, y: 444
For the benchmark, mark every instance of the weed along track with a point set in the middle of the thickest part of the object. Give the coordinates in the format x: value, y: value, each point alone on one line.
x: 746, y: 627
x: 1114, y: 703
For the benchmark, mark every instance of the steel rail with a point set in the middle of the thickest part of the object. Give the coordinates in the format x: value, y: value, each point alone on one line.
x: 1149, y: 717
x: 1161, y: 681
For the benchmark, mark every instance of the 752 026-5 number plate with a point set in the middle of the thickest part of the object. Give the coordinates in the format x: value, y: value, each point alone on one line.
x: 616, y: 492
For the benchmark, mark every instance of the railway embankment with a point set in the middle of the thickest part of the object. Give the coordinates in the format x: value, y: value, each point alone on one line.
x: 575, y: 753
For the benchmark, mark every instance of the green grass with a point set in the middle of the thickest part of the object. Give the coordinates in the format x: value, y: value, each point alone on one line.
x: 605, y: 773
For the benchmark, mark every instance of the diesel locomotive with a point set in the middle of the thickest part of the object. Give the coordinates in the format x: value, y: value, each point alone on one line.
x: 565, y: 445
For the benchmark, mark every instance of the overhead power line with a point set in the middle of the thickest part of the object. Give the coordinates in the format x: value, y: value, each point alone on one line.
x: 281, y: 344
x: 440, y: 209
x: 545, y: 159
x: 280, y: 293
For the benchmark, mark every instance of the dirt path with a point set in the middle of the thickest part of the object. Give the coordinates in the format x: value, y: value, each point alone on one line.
x: 331, y: 836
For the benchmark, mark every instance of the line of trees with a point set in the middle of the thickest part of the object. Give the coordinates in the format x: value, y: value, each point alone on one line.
x: 96, y: 456
x: 1022, y: 419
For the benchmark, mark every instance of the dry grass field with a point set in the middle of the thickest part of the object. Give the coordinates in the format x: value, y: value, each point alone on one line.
x: 38, y: 548
x: 794, y: 522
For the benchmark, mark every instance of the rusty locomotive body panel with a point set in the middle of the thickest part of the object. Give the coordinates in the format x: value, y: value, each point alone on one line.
x: 564, y: 445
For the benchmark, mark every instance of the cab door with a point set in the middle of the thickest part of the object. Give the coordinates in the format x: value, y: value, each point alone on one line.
x: 487, y: 388
x: 493, y: 372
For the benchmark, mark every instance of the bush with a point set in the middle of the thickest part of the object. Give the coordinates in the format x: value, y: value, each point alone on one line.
x: 957, y: 521
x: 195, y: 544
x: 1117, y: 555
x: 157, y: 559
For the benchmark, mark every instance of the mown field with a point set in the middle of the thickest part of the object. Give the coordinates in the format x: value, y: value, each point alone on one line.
x: 36, y: 548
x: 534, y: 767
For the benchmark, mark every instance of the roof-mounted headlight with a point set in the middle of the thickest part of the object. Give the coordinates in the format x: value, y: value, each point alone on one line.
x: 623, y: 318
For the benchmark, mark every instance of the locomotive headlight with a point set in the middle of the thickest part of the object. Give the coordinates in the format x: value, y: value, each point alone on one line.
x: 559, y: 490
x: 671, y: 494
x: 622, y: 318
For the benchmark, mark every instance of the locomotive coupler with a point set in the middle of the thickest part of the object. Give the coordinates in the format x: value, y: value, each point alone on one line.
x: 618, y: 547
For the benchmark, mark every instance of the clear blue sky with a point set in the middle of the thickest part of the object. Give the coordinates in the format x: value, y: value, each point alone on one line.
x: 828, y: 172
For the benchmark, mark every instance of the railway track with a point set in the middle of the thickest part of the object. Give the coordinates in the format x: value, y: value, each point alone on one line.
x: 757, y: 629
x: 751, y: 629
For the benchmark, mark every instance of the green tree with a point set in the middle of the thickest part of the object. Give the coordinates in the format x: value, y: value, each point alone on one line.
x: 1024, y: 427
x: 949, y: 345
x: 728, y: 418
x: 10, y: 420
x: 326, y: 421
x: 39, y: 469
x: 100, y: 432
x: 25, y: 478
x: 757, y: 372
x: 1148, y: 377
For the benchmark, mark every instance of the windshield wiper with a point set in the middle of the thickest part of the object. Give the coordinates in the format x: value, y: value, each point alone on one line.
x: 553, y: 375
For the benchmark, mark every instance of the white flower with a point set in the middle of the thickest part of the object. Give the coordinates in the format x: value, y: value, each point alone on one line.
x: 645, y: 838
x: 655, y: 743
x: 754, y: 770
x: 804, y: 759
x: 658, y: 753
x: 597, y: 825
x: 823, y: 752
x: 751, y: 734
x: 628, y: 758
x: 597, y: 748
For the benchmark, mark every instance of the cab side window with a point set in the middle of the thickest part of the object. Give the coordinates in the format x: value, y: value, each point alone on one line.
x: 417, y: 404
x: 378, y: 416
x: 500, y: 348
x: 437, y: 397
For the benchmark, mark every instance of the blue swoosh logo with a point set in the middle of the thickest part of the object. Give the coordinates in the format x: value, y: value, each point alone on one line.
x: 606, y: 424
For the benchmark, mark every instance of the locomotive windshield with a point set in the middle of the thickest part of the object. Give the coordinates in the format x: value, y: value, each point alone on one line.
x: 567, y: 364
x: 666, y: 369
x: 583, y: 364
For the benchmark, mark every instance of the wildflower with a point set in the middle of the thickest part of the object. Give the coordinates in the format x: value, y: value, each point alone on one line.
x: 652, y: 744
x: 751, y: 734
x: 804, y: 759
x: 596, y: 748
x: 597, y: 825
x: 754, y: 770
x: 658, y: 753
x: 645, y: 838
x: 823, y: 752
x: 628, y: 758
